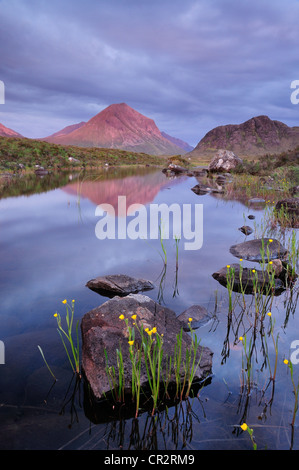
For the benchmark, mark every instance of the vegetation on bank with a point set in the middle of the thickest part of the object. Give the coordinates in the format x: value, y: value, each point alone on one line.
x: 285, y: 164
x: 29, y: 153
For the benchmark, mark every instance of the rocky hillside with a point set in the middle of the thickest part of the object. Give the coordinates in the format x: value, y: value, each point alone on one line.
x: 119, y: 127
x: 257, y: 136
x: 6, y: 132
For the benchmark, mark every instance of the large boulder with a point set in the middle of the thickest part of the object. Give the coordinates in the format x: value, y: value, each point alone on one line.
x: 259, y: 249
x: 118, y: 284
x: 103, y: 330
x: 225, y: 160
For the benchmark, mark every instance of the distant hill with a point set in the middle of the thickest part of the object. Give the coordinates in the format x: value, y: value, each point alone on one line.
x: 180, y: 143
x: 6, y: 132
x: 118, y: 127
x: 257, y: 136
x: 65, y: 131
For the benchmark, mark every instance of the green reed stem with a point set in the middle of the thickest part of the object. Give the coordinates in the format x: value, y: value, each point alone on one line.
x: 74, y: 353
x: 296, y: 390
x: 49, y: 368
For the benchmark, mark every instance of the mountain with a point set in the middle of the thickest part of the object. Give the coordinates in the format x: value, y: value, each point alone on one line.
x: 180, y: 143
x: 65, y: 131
x: 119, y: 127
x: 257, y: 136
x: 6, y: 132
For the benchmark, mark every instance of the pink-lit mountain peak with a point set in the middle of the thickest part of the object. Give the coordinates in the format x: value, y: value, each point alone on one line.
x: 119, y: 127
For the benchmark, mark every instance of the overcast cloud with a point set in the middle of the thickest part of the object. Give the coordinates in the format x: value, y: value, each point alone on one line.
x: 189, y: 65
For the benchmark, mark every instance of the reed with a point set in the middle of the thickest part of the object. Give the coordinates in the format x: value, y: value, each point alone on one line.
x: 49, y: 368
x: 245, y: 427
x: 230, y: 284
x: 295, y: 389
x: 246, y: 364
x: 148, y: 349
x: 70, y: 344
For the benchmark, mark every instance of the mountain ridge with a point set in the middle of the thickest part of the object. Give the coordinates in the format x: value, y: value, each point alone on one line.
x: 119, y: 127
x: 256, y: 136
x: 7, y: 132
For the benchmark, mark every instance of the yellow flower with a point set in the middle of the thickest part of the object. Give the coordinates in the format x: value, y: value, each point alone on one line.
x: 154, y: 330
x: 228, y: 265
x: 149, y: 332
x: 134, y: 317
x: 64, y: 301
x: 241, y: 338
x: 286, y: 361
x: 244, y: 426
x: 146, y: 329
x: 270, y: 262
x: 121, y: 317
x: 269, y: 314
x: 253, y: 270
x: 190, y: 320
x: 131, y: 342
x: 270, y: 240
x: 241, y: 259
x: 55, y: 314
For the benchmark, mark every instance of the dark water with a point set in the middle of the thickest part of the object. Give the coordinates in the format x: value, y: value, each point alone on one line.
x: 49, y: 250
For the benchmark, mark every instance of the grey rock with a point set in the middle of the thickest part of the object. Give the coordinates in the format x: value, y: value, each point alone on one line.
x: 118, y: 284
x: 177, y: 168
x: 246, y: 230
x: 252, y: 250
x: 246, y: 280
x: 200, y: 316
x: 225, y: 160
x: 103, y: 330
x: 201, y: 189
x: 277, y: 266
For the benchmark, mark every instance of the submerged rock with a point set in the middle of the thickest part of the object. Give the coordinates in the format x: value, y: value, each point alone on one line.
x: 247, y: 280
x: 252, y: 250
x: 103, y: 330
x: 177, y: 169
x: 200, y: 316
x: 118, y: 284
x: 246, y: 230
x: 201, y: 189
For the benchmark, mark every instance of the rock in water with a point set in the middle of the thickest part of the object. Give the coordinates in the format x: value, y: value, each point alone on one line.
x: 199, y: 315
x: 118, y: 284
x: 225, y: 160
x: 246, y: 230
x: 247, y: 280
x: 252, y: 250
x: 103, y: 330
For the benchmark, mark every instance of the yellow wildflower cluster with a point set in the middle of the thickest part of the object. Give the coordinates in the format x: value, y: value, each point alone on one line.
x: 150, y: 332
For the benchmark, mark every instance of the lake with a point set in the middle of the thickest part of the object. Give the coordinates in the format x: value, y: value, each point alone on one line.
x: 49, y: 250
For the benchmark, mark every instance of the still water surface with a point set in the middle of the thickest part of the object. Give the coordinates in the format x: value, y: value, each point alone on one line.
x: 49, y: 250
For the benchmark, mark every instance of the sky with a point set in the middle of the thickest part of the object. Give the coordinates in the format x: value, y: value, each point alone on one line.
x: 190, y: 65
